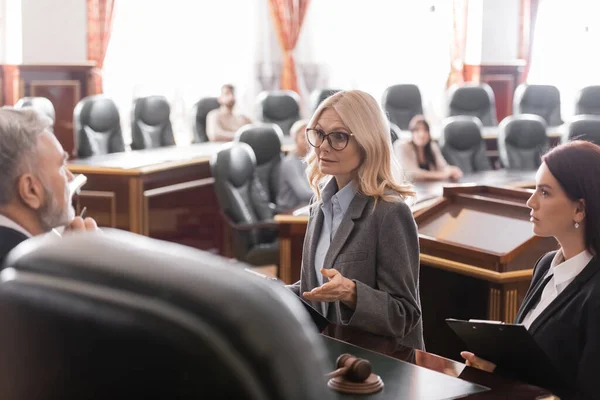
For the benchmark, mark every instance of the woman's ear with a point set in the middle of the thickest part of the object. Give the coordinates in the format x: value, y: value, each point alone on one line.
x: 30, y: 191
x: 579, y: 211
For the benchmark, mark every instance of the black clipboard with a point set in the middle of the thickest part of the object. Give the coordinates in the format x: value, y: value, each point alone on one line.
x: 511, y: 348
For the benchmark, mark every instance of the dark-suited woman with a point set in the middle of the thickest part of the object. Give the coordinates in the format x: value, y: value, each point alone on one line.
x: 561, y: 309
x: 360, y: 261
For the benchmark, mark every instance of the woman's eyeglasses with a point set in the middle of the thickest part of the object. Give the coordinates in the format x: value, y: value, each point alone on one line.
x: 337, y: 140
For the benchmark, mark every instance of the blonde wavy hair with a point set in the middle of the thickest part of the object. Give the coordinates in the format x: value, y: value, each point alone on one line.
x: 379, y: 174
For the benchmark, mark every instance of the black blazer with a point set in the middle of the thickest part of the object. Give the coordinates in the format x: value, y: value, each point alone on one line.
x: 9, y: 239
x: 568, y: 330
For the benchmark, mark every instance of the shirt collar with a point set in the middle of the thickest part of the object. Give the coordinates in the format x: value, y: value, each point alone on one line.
x: 343, y: 196
x: 565, y: 271
x: 9, y: 223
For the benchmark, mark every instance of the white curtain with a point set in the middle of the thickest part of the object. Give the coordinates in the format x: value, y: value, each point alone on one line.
x: 565, y: 48
x: 186, y: 50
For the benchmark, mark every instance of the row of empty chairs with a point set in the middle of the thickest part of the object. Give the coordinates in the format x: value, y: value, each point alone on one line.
x: 403, y: 102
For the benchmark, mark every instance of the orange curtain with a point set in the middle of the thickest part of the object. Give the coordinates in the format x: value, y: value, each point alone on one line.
x: 99, y: 19
x: 288, y: 16
x: 529, y: 9
x: 458, y: 47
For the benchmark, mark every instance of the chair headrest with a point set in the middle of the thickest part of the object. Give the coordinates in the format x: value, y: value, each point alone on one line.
x: 153, y: 110
x: 235, y: 163
x: 525, y: 131
x: 471, y: 97
x: 41, y: 105
x: 100, y: 113
x: 204, y: 106
x: 402, y: 96
x: 280, y: 105
x: 585, y: 127
x: 539, y: 95
x: 94, y: 313
x: 319, y: 95
x: 264, y: 139
x: 462, y: 132
x: 588, y: 98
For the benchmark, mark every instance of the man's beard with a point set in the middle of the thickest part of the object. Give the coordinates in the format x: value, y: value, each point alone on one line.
x: 52, y: 214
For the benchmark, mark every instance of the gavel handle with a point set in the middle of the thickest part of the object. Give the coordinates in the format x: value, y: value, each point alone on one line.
x: 338, y: 372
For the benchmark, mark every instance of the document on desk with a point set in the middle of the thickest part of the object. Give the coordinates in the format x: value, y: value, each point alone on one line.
x: 511, y: 348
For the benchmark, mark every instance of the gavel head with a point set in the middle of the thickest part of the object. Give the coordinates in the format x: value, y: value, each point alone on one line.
x: 358, y: 369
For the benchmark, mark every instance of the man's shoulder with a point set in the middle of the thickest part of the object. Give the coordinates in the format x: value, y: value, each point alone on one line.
x: 9, y: 239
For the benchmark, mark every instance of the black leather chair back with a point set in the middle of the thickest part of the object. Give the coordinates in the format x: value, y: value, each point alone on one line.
x: 401, y: 103
x: 199, y: 113
x: 41, y: 105
x: 97, y: 127
x: 281, y: 107
x: 542, y: 100
x: 151, y: 123
x: 463, y: 144
x: 119, y: 315
x: 318, y: 95
x: 584, y: 127
x: 476, y: 100
x: 588, y: 101
x: 522, y: 140
x: 265, y: 141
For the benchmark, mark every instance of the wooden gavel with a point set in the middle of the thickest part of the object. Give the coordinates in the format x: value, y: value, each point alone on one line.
x: 352, y: 368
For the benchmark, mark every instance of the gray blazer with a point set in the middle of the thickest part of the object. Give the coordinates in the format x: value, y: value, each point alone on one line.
x: 379, y: 250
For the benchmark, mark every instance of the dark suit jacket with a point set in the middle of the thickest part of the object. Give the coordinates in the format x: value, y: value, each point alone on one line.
x: 568, y: 330
x: 9, y: 239
x: 378, y: 248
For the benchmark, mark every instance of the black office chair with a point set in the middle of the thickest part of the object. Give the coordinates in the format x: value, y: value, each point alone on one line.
x: 199, y: 113
x: 41, y: 105
x: 401, y: 103
x: 118, y: 315
x: 522, y: 140
x: 245, y: 206
x: 542, y: 100
x: 587, y: 101
x: 318, y: 95
x: 281, y: 107
x: 463, y: 144
x: 584, y: 127
x: 151, y: 123
x: 395, y: 132
x: 476, y: 100
x: 97, y: 127
x: 265, y: 141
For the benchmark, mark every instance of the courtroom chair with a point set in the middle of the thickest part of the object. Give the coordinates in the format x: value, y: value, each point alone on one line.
x: 474, y: 99
x: 542, y: 100
x: 265, y: 141
x: 584, y: 127
x: 199, y: 113
x: 251, y: 232
x: 395, y: 132
x: 119, y: 315
x: 97, y: 127
x: 40, y: 105
x: 522, y: 140
x: 463, y: 145
x: 318, y: 95
x: 281, y: 107
x: 587, y: 101
x: 151, y: 123
x: 401, y: 103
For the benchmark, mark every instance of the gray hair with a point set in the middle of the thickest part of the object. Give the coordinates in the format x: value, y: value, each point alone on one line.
x: 19, y: 132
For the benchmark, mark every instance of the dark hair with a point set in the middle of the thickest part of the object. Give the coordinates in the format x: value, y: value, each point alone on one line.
x: 576, y: 167
x: 415, y: 123
x: 228, y: 86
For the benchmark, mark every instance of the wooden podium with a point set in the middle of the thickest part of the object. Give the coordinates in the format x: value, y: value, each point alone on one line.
x: 477, y: 254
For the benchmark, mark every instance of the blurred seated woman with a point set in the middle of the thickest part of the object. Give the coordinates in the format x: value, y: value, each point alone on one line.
x: 360, y: 260
x: 561, y: 309
x: 421, y: 157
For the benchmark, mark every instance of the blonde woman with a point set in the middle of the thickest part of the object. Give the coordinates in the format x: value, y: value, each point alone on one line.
x: 360, y: 261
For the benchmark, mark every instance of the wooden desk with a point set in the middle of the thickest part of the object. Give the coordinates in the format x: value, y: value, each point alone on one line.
x: 415, y: 374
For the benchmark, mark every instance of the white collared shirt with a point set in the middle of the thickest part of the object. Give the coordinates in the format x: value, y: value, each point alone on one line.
x: 563, y: 273
x: 9, y: 223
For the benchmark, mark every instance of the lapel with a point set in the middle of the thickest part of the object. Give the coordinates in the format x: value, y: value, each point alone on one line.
x: 312, y: 235
x: 355, y: 211
x: 572, y: 289
x: 531, y: 294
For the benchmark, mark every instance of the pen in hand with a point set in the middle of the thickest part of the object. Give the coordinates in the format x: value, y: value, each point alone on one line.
x: 82, y: 214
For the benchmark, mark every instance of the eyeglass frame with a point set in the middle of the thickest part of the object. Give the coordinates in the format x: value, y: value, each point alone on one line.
x: 326, y: 137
